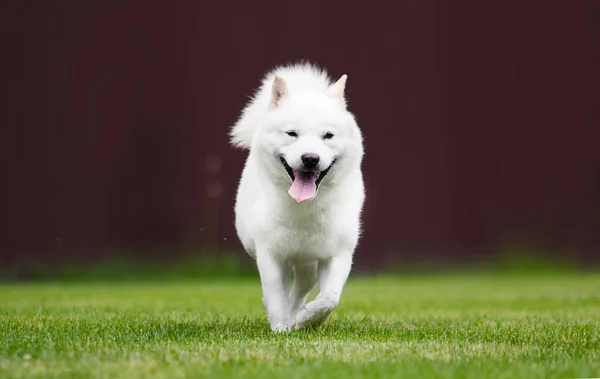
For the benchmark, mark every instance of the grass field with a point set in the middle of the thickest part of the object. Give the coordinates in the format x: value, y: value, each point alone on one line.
x: 463, y: 326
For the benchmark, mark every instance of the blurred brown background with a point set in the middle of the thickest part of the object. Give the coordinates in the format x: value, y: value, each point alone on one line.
x: 481, y: 122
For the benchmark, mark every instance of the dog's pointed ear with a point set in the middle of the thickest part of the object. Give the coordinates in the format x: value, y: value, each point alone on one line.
x: 279, y: 91
x: 337, y: 89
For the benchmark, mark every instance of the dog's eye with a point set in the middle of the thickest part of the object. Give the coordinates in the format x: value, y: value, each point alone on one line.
x: 328, y: 135
x: 291, y: 133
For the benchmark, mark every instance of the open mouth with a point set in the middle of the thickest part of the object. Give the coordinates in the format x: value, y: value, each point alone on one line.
x: 304, y: 183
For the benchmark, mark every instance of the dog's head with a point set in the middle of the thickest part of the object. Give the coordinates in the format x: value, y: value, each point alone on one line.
x: 310, y: 138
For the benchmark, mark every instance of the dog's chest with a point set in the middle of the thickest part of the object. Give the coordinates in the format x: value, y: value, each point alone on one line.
x: 303, y: 235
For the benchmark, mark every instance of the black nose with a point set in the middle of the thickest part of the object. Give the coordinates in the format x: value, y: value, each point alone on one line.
x: 310, y: 161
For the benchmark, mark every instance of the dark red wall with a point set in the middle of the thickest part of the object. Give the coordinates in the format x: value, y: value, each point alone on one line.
x: 482, y: 121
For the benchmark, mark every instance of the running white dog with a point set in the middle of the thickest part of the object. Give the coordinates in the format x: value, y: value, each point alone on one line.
x: 301, y: 193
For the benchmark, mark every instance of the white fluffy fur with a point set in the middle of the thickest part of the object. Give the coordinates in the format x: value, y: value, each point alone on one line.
x: 314, y: 240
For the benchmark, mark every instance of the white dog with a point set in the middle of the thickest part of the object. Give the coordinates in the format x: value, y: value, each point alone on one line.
x: 301, y: 193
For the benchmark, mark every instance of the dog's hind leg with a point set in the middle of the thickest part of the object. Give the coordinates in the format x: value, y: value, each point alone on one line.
x: 333, y: 274
x: 305, y: 279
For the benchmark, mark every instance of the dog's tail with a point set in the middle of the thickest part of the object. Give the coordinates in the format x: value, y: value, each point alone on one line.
x: 242, y: 132
x: 244, y: 129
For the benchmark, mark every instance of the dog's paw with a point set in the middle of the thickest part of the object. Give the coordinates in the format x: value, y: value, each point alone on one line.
x: 315, y: 313
x: 280, y: 328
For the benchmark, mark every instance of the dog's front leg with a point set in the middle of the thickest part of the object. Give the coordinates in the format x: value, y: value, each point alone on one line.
x: 333, y: 274
x: 273, y: 276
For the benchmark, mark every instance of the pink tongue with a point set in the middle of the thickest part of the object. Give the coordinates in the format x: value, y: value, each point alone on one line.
x: 304, y: 186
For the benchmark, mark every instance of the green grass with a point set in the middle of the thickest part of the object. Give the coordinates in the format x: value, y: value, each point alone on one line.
x: 464, y: 326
